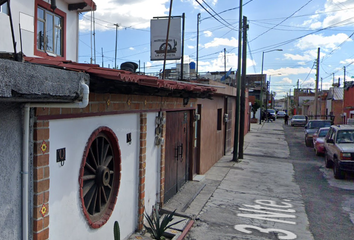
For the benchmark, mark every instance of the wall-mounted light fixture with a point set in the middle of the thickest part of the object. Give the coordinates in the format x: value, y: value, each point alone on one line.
x: 185, y: 101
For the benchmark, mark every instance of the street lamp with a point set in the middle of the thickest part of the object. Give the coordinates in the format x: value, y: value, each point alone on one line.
x: 260, y: 118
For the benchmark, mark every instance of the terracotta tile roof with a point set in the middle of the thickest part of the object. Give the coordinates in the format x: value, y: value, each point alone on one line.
x: 124, y: 76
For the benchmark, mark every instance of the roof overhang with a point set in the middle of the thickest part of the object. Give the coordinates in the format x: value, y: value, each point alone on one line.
x: 81, y: 5
x: 24, y: 82
x: 113, y: 81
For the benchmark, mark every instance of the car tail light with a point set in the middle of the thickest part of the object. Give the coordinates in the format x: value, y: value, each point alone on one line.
x: 346, y: 156
x: 314, y: 136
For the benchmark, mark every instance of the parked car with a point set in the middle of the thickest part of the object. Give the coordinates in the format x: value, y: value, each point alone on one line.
x: 298, y: 120
x: 318, y: 140
x: 273, y: 115
x: 339, y: 149
x: 312, y: 126
x: 281, y: 114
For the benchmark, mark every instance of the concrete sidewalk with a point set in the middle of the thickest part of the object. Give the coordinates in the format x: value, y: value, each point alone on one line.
x: 257, y: 176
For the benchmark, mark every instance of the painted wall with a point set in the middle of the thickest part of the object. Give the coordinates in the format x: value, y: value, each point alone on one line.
x: 10, y: 174
x: 153, y: 157
x: 23, y: 14
x: 338, y: 111
x: 64, y: 201
x: 212, y: 140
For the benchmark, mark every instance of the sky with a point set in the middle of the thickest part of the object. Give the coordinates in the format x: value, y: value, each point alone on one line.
x: 287, y: 33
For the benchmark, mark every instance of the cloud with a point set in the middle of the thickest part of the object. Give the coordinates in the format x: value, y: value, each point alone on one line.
x: 347, y: 61
x: 190, y: 47
x: 217, y: 64
x: 286, y: 80
x: 328, y: 43
x: 208, y: 33
x: 132, y: 13
x: 131, y: 48
x: 221, y: 42
x: 288, y: 71
x: 297, y: 57
x: 337, y: 13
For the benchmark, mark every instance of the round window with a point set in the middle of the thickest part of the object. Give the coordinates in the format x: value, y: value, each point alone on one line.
x: 100, y: 176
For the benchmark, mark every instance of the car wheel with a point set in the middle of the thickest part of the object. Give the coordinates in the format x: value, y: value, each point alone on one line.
x: 307, y: 142
x: 338, y: 174
x: 328, y: 162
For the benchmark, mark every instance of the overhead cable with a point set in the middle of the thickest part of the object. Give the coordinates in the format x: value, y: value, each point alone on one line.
x: 282, y: 21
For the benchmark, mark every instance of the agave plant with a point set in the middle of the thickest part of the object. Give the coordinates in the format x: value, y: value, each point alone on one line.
x: 157, y: 227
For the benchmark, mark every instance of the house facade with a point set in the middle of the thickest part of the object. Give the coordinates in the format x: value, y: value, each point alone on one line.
x: 27, y: 21
x: 84, y: 146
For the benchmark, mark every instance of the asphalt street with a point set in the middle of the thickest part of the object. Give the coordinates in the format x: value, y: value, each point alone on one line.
x: 279, y: 190
x: 258, y: 198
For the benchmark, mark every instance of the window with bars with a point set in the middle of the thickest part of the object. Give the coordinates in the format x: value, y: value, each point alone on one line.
x: 49, y: 32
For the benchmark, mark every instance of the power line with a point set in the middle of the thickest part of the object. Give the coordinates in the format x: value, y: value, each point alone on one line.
x: 297, y: 38
x: 216, y: 13
x: 215, y: 17
x: 282, y: 21
x: 227, y: 10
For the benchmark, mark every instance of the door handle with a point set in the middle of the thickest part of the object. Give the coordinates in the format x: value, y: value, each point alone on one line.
x: 180, y: 152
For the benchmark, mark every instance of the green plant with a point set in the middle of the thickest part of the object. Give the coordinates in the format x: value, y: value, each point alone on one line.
x: 157, y: 227
x: 116, y: 231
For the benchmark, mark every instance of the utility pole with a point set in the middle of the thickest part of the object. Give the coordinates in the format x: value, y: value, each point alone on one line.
x: 167, y: 36
x: 182, y: 59
x: 198, y: 21
x: 115, y: 57
x: 321, y: 83
x: 238, y: 90
x: 344, y: 77
x: 243, y: 87
x: 102, y: 57
x: 94, y: 38
x: 225, y: 60
x: 317, y: 78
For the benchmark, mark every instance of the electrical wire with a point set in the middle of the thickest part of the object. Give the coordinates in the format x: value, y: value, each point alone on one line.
x: 227, y: 10
x: 250, y: 53
x: 228, y: 26
x: 308, y: 74
x: 215, y: 12
x: 282, y: 21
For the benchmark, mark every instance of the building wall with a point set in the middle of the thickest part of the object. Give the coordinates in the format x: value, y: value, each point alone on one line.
x: 337, y: 111
x: 10, y: 174
x: 212, y: 140
x: 23, y: 15
x: 57, y: 203
x: 348, y: 101
x: 64, y: 188
x: 153, y: 158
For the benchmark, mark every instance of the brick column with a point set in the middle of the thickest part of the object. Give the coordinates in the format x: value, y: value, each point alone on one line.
x: 142, y: 169
x: 41, y: 181
x: 162, y: 163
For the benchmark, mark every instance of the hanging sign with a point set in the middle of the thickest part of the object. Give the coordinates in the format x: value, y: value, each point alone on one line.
x: 158, y: 31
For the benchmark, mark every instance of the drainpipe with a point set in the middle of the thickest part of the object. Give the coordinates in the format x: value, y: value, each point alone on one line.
x: 25, y: 162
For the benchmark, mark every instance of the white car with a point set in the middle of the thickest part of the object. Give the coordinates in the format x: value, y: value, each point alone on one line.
x: 281, y: 114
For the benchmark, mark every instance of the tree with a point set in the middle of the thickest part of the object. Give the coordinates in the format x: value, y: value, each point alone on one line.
x: 255, y: 106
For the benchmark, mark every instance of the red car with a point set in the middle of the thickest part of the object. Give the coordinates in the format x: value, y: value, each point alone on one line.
x: 318, y: 140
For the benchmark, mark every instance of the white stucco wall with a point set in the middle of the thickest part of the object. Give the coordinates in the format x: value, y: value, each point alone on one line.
x: 23, y: 13
x: 152, y: 179
x: 67, y: 220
